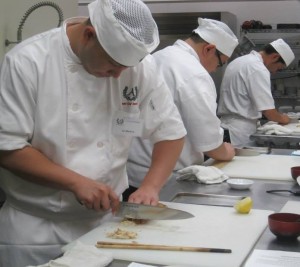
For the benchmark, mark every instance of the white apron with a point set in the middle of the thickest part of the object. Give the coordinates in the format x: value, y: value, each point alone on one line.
x: 239, y: 129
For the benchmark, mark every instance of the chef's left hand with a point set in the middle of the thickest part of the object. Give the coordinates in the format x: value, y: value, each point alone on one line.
x: 146, y: 195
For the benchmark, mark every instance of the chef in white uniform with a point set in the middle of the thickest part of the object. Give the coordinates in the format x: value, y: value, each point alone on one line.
x: 246, y: 91
x: 71, y: 100
x: 185, y: 67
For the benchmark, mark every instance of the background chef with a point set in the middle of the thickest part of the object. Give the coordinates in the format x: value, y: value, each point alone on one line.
x: 70, y: 102
x: 246, y: 91
x: 185, y: 67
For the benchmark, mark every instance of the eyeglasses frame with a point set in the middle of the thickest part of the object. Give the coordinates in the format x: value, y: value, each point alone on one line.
x: 218, y: 54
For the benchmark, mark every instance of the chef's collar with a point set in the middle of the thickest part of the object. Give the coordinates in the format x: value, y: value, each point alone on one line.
x: 71, y: 57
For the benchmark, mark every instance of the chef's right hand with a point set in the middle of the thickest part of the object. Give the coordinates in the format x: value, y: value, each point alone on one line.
x: 95, y: 195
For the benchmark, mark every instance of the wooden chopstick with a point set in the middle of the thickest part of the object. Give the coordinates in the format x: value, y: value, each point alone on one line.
x: 159, y: 247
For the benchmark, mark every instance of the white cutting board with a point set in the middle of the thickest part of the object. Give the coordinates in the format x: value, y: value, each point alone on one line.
x: 215, y: 227
x: 272, y: 167
x: 291, y: 207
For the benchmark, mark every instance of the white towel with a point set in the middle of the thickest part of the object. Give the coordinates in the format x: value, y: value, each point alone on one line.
x: 81, y: 255
x: 274, y: 129
x: 296, y: 153
x: 202, y: 174
x: 134, y: 264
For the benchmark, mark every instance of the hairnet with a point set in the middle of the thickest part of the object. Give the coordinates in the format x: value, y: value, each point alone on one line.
x: 284, y: 51
x: 125, y: 29
x: 217, y: 33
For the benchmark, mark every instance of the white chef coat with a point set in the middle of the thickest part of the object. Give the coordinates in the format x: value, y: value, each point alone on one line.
x: 194, y: 94
x: 48, y: 101
x: 245, y: 93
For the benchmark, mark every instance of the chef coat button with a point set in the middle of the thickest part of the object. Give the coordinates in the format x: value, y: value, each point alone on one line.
x: 73, y: 68
x: 99, y: 144
x: 71, y: 144
x: 75, y: 107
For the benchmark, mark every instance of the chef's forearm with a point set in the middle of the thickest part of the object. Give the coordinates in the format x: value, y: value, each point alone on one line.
x: 274, y: 115
x: 224, y: 152
x: 164, y: 157
x: 32, y: 165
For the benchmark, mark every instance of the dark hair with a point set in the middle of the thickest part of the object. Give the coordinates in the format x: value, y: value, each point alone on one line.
x: 269, y: 49
x: 196, y: 38
x: 88, y: 22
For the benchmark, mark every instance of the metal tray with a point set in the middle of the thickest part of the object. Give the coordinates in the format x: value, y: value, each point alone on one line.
x: 285, y: 141
x: 206, y: 199
x: 273, y: 137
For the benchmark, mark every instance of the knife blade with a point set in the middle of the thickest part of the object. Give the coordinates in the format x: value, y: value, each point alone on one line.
x: 246, y: 152
x: 147, y: 212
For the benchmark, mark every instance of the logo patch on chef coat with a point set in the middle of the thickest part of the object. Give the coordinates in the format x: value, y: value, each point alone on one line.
x: 120, y: 121
x: 131, y: 95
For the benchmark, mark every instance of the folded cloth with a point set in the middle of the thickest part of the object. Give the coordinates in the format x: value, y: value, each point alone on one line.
x: 134, y: 264
x: 296, y: 153
x: 81, y: 255
x: 274, y: 129
x: 202, y: 174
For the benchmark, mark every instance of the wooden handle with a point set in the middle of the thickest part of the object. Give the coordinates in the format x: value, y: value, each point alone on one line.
x: 159, y: 247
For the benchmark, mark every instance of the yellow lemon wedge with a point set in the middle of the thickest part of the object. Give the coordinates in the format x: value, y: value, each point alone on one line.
x: 244, y: 205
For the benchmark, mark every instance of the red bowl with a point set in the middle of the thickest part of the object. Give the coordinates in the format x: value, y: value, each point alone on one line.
x: 285, y: 225
x: 295, y: 171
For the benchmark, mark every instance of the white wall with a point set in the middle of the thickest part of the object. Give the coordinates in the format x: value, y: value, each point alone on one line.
x: 269, y: 12
x: 44, y: 18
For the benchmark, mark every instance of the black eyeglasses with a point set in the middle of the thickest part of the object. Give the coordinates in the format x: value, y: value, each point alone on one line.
x: 219, y: 58
x: 281, y: 61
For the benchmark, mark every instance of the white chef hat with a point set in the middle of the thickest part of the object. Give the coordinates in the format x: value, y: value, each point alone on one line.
x: 217, y: 33
x: 283, y: 50
x: 125, y: 29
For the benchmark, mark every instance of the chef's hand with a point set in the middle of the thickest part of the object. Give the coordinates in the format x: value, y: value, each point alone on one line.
x: 224, y: 152
x: 146, y: 195
x: 95, y: 195
x: 285, y: 119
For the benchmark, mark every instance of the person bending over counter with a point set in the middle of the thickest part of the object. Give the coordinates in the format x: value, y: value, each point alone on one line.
x: 185, y: 67
x: 71, y: 100
x: 246, y: 91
